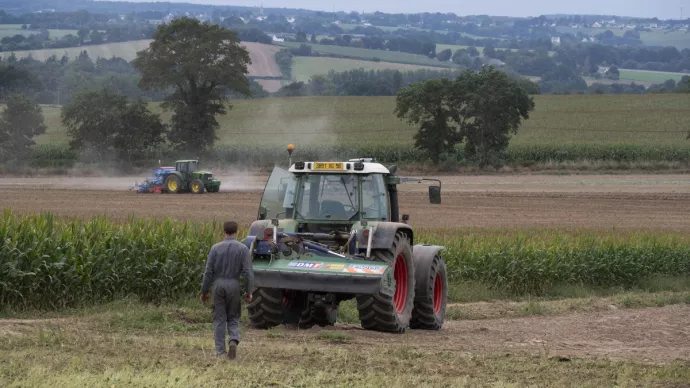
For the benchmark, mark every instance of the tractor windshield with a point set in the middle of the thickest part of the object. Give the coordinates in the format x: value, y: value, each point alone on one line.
x: 324, y: 197
x: 332, y: 197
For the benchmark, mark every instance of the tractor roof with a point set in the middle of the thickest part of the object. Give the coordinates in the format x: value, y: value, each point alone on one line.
x: 352, y: 166
x: 186, y: 160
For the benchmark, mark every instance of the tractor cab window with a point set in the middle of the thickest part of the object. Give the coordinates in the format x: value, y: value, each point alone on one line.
x: 188, y: 166
x: 278, y: 197
x: 328, y: 197
x: 374, y: 198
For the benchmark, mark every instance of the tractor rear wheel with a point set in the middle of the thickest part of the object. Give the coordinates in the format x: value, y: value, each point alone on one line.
x: 197, y: 186
x: 386, y: 310
x: 431, y: 293
x: 266, y: 309
x: 172, y: 184
x: 322, y: 315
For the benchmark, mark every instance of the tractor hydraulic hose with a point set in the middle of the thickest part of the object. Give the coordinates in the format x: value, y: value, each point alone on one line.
x: 321, y: 249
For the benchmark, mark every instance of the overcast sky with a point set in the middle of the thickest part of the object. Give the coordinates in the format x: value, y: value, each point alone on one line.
x: 664, y: 9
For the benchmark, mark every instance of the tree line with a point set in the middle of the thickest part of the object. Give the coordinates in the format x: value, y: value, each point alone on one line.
x: 109, y: 124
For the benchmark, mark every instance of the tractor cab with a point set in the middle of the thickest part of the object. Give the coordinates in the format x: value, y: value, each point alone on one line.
x: 335, y: 193
x: 187, y: 166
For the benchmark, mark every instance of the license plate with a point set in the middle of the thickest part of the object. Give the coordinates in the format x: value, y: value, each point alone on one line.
x: 328, y: 166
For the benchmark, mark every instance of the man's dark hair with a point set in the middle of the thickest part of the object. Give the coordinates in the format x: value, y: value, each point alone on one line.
x: 230, y: 227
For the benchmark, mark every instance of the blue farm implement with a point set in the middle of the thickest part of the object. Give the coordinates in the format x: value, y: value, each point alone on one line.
x: 155, y: 183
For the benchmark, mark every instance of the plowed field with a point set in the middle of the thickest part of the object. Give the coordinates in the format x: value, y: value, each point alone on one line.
x: 633, y: 202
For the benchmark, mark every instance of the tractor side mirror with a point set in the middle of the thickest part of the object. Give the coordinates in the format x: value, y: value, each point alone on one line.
x: 435, y: 194
x: 405, y: 218
x: 262, y: 212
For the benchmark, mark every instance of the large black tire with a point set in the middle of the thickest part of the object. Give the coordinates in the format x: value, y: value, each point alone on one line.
x: 177, y: 184
x: 266, y: 308
x: 431, y: 293
x: 197, y: 186
x: 315, y: 315
x: 385, y: 310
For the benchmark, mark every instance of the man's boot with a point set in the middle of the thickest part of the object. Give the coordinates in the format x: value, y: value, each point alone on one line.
x: 232, y: 349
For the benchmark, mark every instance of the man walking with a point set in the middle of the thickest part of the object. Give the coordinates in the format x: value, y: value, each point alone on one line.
x: 227, y: 260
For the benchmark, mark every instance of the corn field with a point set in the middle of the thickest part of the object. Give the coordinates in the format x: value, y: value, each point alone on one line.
x: 50, y: 263
x: 515, y: 155
x: 534, y: 261
x: 53, y: 264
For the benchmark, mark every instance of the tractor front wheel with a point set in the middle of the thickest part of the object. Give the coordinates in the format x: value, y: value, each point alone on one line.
x: 197, y: 186
x: 266, y: 309
x: 172, y: 184
x: 391, y: 310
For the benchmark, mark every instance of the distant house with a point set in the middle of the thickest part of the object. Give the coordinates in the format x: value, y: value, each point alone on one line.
x: 556, y: 39
x: 596, y: 25
x: 277, y: 39
x: 291, y: 20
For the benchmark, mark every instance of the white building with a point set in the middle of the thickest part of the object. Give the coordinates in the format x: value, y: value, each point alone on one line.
x: 556, y: 39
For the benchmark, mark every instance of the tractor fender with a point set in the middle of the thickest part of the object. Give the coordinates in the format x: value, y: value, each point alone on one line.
x: 384, y: 234
x: 422, y: 256
x: 257, y: 228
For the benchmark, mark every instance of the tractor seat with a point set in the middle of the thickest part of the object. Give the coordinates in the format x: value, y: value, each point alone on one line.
x: 333, y: 208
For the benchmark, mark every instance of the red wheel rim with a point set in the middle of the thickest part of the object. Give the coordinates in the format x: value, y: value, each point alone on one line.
x: 438, y: 293
x: 288, y: 297
x: 400, y: 275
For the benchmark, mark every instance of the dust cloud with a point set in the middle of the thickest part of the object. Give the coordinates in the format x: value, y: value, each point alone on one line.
x: 278, y: 124
x: 230, y: 181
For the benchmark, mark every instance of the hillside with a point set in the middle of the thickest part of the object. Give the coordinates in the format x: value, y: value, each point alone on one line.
x: 650, y: 120
x: 373, y: 55
x: 303, y: 68
x: 262, y: 56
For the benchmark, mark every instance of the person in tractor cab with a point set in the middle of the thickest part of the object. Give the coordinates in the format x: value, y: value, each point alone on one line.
x: 227, y: 261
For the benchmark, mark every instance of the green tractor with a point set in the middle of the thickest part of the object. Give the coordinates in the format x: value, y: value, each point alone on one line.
x: 328, y: 232
x: 188, y: 178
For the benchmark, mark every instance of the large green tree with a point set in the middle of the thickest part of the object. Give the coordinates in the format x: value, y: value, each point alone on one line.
x: 492, y: 108
x: 20, y: 122
x: 481, y: 109
x: 111, y: 125
x: 201, y: 63
x: 427, y: 104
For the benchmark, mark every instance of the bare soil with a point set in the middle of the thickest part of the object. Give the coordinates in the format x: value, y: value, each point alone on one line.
x: 630, y: 202
x: 263, y: 59
x: 651, y: 335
